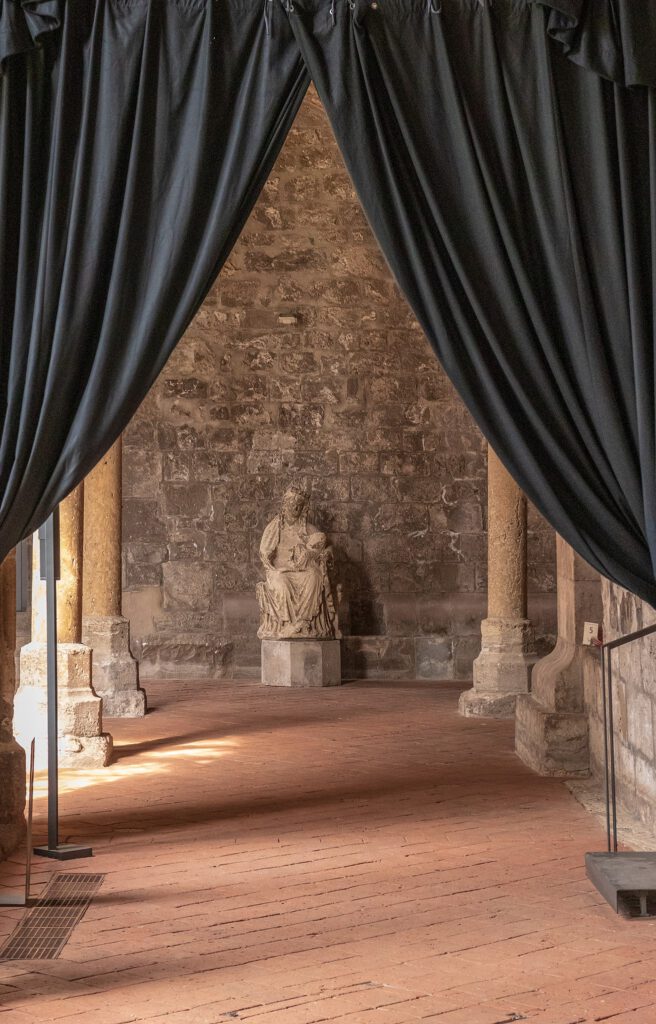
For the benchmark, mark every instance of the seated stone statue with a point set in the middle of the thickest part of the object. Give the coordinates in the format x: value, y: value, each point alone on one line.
x: 296, y: 600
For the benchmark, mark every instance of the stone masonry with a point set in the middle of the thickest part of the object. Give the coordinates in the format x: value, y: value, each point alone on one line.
x: 634, y: 687
x: 305, y: 362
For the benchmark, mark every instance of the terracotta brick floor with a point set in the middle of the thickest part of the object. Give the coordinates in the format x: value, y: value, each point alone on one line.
x: 356, y: 855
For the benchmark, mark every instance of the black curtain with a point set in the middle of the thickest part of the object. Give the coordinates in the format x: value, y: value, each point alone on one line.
x: 514, y: 195
x: 504, y: 151
x: 134, y: 140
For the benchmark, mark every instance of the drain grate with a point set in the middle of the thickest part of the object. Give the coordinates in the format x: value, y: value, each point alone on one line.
x: 47, y: 927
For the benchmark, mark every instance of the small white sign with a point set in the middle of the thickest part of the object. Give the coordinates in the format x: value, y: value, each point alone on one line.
x: 590, y: 633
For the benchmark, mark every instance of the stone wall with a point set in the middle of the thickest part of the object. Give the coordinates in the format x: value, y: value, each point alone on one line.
x: 634, y: 685
x: 306, y: 363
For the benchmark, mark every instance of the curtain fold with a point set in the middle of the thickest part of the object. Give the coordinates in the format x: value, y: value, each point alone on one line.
x: 614, y: 38
x: 134, y: 141
x: 512, y: 193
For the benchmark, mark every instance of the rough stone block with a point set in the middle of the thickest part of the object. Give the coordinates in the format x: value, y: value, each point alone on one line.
x: 12, y: 796
x: 82, y: 743
x: 301, y: 663
x: 185, y: 656
x: 551, y: 743
x: 115, y: 673
x: 434, y: 658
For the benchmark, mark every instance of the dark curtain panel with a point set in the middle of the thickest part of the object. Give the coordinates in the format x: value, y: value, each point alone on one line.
x: 134, y: 140
x: 514, y: 195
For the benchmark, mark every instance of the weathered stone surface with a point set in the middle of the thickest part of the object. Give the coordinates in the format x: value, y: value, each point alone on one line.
x: 184, y: 656
x: 557, y: 682
x: 634, y: 689
x: 305, y: 361
x: 82, y: 742
x: 115, y: 672
x: 301, y: 663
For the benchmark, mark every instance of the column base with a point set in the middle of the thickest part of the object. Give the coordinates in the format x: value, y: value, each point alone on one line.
x: 502, y: 669
x: 82, y: 742
x: 473, y: 704
x: 552, y: 743
x: 12, y: 796
x: 115, y: 671
x: 301, y: 663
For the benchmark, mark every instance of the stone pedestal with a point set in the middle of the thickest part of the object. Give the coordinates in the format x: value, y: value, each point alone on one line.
x: 104, y: 629
x: 12, y: 755
x: 503, y: 668
x: 301, y: 663
x: 551, y: 734
x: 82, y: 742
x: 115, y: 671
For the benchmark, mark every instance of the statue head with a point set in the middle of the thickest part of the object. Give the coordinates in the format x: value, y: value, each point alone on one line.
x: 295, y: 504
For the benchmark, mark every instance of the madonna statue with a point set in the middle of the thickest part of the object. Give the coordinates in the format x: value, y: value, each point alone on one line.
x: 296, y: 600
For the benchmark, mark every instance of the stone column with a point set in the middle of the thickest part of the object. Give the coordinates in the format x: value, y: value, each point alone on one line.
x: 12, y: 755
x: 503, y: 668
x: 115, y: 672
x: 551, y: 734
x: 82, y: 742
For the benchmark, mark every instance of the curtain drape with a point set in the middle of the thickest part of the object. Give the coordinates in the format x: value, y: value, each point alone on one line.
x: 503, y: 150
x: 134, y: 141
x: 514, y: 196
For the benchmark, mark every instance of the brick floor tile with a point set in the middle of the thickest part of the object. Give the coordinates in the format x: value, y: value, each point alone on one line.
x: 357, y: 856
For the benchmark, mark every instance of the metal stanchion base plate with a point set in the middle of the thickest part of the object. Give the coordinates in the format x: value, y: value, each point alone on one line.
x: 64, y: 851
x: 14, y: 899
x: 626, y: 880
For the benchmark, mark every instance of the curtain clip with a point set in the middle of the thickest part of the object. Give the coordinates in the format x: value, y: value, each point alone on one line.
x: 289, y: 6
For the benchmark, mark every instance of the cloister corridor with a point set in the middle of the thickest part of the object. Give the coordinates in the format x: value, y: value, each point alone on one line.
x: 358, y: 854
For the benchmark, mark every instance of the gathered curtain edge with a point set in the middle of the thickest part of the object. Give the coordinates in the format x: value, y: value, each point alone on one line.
x: 604, y: 50
x: 607, y: 51
x: 23, y: 23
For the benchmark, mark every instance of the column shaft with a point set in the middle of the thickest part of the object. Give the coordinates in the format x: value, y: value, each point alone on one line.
x: 502, y: 670
x: 102, y: 536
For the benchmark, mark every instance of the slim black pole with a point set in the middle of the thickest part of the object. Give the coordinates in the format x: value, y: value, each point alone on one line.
x: 51, y: 627
x: 49, y: 561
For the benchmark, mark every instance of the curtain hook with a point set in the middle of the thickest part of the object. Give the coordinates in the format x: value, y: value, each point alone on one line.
x: 332, y: 11
x: 432, y: 9
x: 289, y: 6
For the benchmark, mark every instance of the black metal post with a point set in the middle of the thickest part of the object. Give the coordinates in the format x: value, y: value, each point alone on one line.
x: 51, y: 575
x: 604, y: 695
x: 49, y: 554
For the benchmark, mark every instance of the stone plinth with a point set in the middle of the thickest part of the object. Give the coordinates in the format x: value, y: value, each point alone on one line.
x: 301, y: 663
x: 115, y: 672
x: 551, y: 734
x: 12, y: 755
x: 502, y: 669
x: 82, y: 743
x: 104, y: 628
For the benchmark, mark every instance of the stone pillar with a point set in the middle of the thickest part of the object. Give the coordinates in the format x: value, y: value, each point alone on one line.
x: 12, y: 755
x: 503, y: 668
x: 82, y: 742
x: 551, y: 734
x: 115, y: 672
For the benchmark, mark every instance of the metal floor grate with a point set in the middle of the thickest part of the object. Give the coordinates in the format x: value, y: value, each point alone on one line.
x: 47, y: 927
